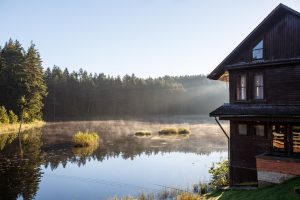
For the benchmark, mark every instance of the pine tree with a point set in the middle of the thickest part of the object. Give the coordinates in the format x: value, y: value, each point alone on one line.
x: 35, y: 84
x: 12, y: 75
x: 21, y: 76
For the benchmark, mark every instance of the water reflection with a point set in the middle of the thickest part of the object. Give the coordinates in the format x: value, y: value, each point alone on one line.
x: 50, y: 148
x: 20, y: 172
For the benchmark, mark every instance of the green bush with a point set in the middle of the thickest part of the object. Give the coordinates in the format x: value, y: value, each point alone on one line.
x: 173, y: 130
x: 3, y: 116
x: 220, y: 174
x: 13, y: 118
x: 183, y: 130
x: 143, y: 133
x: 86, y: 139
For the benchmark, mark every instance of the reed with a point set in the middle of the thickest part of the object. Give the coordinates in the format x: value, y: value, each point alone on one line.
x: 13, y: 128
x: 174, y: 130
x: 85, y: 139
x: 143, y: 133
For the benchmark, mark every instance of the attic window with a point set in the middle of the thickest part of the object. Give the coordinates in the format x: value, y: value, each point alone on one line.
x: 258, y: 51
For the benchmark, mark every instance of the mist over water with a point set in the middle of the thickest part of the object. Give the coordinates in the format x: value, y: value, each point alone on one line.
x: 123, y: 164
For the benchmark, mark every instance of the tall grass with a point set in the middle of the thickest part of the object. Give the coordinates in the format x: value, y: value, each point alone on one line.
x: 13, y: 128
x: 143, y: 133
x: 85, y: 139
x: 174, y: 130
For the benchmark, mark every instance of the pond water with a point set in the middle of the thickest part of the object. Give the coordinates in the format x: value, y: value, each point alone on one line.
x: 43, y: 164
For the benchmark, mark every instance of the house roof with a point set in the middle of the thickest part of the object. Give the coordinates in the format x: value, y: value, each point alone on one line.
x: 279, y: 10
x: 256, y: 110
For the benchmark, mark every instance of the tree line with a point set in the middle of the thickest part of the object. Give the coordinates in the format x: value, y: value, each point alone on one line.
x: 30, y: 92
x: 80, y: 94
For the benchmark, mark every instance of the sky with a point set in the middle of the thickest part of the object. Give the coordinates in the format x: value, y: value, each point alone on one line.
x: 145, y: 37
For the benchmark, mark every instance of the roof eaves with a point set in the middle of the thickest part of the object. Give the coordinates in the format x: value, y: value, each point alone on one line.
x: 215, y: 74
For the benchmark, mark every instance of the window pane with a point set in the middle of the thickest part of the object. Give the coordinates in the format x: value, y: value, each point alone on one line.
x: 243, y: 94
x: 241, y: 87
x: 259, y: 130
x: 258, y: 86
x: 259, y: 45
x: 243, y: 80
x: 258, y: 80
x: 296, y: 139
x: 259, y: 93
x: 278, y: 138
x: 257, y: 54
x: 242, y: 128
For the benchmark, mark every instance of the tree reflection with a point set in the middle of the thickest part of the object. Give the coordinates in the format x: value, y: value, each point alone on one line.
x: 20, y: 174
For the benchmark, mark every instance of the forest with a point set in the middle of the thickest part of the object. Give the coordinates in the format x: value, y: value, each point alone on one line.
x: 57, y: 94
x: 83, y: 95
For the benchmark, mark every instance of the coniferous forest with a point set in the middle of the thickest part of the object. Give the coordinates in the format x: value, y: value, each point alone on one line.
x: 58, y: 94
x: 22, y: 85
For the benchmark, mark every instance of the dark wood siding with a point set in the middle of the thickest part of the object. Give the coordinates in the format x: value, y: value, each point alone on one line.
x: 281, y: 84
x: 281, y: 40
x: 243, y: 150
x: 281, y: 36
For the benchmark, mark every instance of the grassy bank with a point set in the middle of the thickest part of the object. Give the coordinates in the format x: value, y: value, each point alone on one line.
x: 10, y: 128
x: 282, y: 191
x: 277, y: 192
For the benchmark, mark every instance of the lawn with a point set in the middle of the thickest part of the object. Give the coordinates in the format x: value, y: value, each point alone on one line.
x: 282, y: 191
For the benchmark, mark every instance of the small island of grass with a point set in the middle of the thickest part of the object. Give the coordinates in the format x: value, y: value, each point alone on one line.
x: 143, y: 133
x: 173, y: 130
x: 85, y: 139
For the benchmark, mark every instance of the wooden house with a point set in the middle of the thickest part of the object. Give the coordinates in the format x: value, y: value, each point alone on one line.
x: 263, y: 72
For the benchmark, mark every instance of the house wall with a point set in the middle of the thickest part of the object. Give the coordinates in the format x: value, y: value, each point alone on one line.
x: 281, y: 40
x: 281, y: 84
x: 243, y: 149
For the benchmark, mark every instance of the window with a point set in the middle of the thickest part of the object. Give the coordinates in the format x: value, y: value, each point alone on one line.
x: 257, y: 51
x: 242, y: 129
x: 296, y: 139
x: 258, y: 86
x: 259, y: 130
x: 278, y: 132
x: 286, y: 139
x: 241, y: 87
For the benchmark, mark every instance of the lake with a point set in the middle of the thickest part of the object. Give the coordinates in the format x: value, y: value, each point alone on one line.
x: 43, y: 164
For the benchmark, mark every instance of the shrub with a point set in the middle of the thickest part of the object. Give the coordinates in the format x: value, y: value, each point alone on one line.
x: 13, y: 118
x: 220, y: 174
x: 143, y: 133
x: 201, y: 188
x: 3, y: 116
x: 86, y: 139
x: 183, y: 131
x: 172, y: 130
x: 167, y: 131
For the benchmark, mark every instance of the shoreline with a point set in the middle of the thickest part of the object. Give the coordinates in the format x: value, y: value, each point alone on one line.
x: 11, y: 128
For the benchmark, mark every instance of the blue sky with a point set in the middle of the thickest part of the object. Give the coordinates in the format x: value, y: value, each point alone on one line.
x: 145, y: 37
